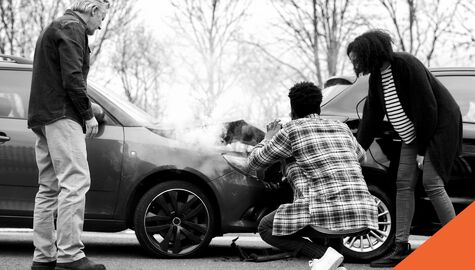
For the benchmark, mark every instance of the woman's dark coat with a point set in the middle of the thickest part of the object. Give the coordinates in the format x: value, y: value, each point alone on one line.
x: 427, y: 103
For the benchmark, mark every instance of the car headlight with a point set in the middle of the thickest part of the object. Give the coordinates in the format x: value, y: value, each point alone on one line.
x: 239, y: 163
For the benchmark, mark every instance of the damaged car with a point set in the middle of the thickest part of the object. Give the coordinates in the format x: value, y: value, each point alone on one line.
x: 174, y: 191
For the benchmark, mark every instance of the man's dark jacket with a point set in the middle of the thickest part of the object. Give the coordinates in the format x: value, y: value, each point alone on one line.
x: 428, y: 104
x: 60, y: 67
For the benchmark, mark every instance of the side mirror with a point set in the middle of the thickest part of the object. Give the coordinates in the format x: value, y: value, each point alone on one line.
x: 98, y: 112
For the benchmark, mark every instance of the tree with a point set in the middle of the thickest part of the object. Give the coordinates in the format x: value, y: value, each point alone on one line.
x: 7, y: 35
x: 318, y: 29
x: 464, y: 37
x: 266, y: 82
x: 424, y: 25
x: 22, y: 21
x: 210, y: 28
x: 119, y: 16
x: 141, y: 61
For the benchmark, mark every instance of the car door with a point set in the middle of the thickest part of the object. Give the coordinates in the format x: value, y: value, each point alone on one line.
x: 461, y: 187
x: 105, y: 156
x: 18, y: 170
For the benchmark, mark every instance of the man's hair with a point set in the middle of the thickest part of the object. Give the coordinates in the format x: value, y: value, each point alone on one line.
x: 86, y: 6
x: 305, y: 99
x: 371, y: 49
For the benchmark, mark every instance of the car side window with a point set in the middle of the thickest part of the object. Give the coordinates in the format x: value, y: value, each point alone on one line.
x: 14, y: 93
x: 462, y: 89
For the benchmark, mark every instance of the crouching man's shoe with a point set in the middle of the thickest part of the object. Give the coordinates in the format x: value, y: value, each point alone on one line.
x: 329, y: 261
x: 43, y: 265
x: 399, y: 253
x: 82, y: 264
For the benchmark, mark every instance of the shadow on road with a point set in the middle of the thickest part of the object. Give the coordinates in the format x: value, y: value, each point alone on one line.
x: 131, y: 249
x: 122, y: 251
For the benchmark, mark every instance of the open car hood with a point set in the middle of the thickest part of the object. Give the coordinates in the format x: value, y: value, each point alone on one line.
x: 232, y: 133
x: 241, y: 131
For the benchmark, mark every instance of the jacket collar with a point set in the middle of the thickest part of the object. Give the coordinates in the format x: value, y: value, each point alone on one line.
x: 72, y: 13
x: 313, y: 115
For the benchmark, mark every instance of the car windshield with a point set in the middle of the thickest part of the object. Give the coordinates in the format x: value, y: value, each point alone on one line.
x: 330, y: 92
x: 132, y: 110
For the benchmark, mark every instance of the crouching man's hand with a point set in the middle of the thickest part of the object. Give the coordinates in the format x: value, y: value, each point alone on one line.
x: 272, y: 129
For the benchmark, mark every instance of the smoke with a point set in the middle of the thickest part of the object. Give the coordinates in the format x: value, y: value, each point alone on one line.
x: 236, y: 136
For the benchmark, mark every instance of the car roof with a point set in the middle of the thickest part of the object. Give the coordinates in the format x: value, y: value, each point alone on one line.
x: 352, y: 79
x: 15, y: 66
x: 342, y: 79
x: 438, y: 69
x: 15, y: 62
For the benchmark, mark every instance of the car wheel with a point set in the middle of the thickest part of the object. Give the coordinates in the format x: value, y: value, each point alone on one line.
x: 174, y: 220
x: 376, y: 242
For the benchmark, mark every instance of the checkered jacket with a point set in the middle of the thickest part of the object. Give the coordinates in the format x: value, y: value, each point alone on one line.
x: 329, y: 189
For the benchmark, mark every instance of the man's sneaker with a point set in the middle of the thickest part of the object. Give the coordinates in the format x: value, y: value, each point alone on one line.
x: 329, y: 261
x: 399, y: 253
x: 82, y: 264
x: 43, y: 265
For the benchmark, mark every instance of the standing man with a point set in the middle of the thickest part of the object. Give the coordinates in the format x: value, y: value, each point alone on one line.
x: 59, y: 114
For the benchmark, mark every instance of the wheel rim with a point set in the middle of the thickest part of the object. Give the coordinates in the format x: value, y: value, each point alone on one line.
x: 177, y: 221
x: 375, y: 238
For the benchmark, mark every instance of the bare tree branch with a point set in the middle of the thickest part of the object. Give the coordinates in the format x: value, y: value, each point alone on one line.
x: 210, y: 27
x: 141, y: 61
x: 425, y: 26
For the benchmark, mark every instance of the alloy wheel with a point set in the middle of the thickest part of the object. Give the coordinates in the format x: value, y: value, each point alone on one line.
x: 177, y: 222
x: 375, y: 238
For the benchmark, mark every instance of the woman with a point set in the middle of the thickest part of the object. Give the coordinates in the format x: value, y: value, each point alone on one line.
x: 424, y: 115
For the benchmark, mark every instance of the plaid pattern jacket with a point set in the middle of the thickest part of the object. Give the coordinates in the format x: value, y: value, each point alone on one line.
x: 326, y: 178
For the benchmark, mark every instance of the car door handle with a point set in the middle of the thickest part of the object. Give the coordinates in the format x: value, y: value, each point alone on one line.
x: 4, y: 137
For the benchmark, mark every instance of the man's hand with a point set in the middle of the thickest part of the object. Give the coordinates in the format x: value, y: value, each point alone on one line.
x: 92, y: 127
x: 272, y: 129
x: 420, y: 162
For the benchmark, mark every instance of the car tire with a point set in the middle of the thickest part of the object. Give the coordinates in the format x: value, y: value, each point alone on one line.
x: 377, y: 242
x: 174, y: 219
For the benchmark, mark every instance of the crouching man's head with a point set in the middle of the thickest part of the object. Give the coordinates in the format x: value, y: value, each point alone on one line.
x: 305, y: 99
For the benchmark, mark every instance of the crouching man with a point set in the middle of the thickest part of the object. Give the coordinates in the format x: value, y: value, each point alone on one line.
x: 330, y: 194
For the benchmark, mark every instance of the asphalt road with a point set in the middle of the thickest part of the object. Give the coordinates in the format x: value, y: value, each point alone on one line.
x: 121, y: 251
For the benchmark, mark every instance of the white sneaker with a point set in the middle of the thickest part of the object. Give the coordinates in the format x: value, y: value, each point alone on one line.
x: 329, y: 261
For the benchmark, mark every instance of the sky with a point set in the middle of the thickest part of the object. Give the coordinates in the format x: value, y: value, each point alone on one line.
x: 261, y: 15
x: 154, y: 15
x: 154, y: 11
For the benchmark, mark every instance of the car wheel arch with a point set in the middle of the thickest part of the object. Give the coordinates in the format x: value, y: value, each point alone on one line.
x: 379, y: 178
x: 169, y: 174
x: 356, y: 248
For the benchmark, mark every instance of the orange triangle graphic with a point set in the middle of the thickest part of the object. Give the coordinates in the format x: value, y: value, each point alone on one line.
x: 452, y: 247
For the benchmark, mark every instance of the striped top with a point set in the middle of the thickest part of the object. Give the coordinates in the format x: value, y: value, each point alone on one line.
x: 396, y: 115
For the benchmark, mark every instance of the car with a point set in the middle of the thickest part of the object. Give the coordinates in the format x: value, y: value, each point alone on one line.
x: 175, y: 194
x: 345, y: 102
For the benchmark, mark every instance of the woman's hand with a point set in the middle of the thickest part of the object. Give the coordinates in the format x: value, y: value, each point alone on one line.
x: 420, y: 162
x: 272, y: 129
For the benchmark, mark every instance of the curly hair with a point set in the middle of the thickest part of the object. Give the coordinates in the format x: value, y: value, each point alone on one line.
x: 371, y: 50
x: 305, y: 99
